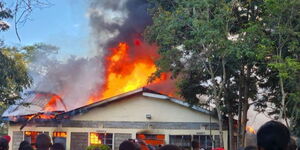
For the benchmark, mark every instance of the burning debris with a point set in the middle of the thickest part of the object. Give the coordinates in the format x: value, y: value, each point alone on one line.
x: 35, y: 105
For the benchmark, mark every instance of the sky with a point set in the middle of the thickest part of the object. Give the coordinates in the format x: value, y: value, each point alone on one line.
x: 63, y: 24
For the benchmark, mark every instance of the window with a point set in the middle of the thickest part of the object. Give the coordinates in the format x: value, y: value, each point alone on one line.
x: 30, y: 136
x: 60, y: 137
x: 152, y: 139
x: 101, y: 138
x: 204, y: 140
x: 217, y: 141
x: 183, y: 141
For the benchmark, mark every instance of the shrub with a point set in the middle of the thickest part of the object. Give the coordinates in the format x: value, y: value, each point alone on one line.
x: 98, y: 147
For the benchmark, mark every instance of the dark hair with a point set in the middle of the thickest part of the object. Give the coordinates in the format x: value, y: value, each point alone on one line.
x: 169, y: 147
x: 27, y: 147
x: 273, y: 135
x: 57, y: 146
x: 195, y: 144
x: 3, y: 144
x: 43, y: 141
x: 127, y: 145
x: 250, y: 148
x: 23, y: 144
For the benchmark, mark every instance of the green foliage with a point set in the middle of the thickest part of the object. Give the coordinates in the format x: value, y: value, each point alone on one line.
x: 258, y: 40
x: 5, y: 13
x: 98, y: 147
x: 38, y: 50
x: 14, y: 67
x: 192, y: 33
x: 14, y: 77
x: 282, y: 18
x: 185, y: 29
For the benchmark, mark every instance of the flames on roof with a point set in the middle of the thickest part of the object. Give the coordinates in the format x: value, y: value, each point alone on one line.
x: 34, y: 103
x: 24, y: 114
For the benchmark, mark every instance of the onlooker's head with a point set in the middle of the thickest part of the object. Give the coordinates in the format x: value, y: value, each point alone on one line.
x: 57, y: 146
x: 195, y: 145
x: 27, y: 147
x: 250, y: 148
x: 273, y: 135
x: 3, y: 144
x: 43, y: 142
x: 23, y: 144
x: 150, y: 147
x: 127, y: 145
x: 7, y: 137
x: 292, y: 145
x: 169, y: 147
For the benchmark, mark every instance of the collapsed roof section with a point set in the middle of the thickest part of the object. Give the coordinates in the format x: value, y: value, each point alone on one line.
x: 35, y: 103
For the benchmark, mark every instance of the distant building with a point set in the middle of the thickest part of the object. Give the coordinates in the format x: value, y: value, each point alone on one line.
x: 139, y: 114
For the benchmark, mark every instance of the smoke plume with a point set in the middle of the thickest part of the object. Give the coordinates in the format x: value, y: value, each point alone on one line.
x: 76, y: 79
x: 113, y: 21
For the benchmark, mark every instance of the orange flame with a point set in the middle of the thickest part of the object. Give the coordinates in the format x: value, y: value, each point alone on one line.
x: 250, y: 129
x: 51, y: 105
x: 40, y: 116
x: 128, y: 68
x: 48, y: 108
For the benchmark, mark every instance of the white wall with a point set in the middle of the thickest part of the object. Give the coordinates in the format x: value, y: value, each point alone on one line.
x: 135, y: 109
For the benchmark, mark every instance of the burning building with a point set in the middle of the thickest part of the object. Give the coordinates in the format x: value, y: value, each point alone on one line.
x: 137, y: 114
x: 85, y: 111
x: 102, y: 100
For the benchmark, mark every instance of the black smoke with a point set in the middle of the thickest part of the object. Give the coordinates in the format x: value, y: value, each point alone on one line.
x: 133, y: 19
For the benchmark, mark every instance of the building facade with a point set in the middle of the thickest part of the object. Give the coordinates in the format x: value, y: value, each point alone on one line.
x: 140, y: 114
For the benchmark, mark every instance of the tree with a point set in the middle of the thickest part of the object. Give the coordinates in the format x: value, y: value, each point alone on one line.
x: 5, y: 13
x: 13, y: 62
x: 281, y: 19
x: 18, y: 12
x: 14, y: 77
x: 215, y: 48
x: 193, y: 43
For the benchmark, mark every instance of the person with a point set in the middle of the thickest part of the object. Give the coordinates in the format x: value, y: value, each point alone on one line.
x: 195, y: 145
x: 169, y: 147
x: 127, y: 145
x: 292, y: 145
x: 250, y: 148
x: 150, y: 147
x: 27, y: 147
x: 57, y: 146
x: 3, y: 144
x: 43, y: 142
x: 23, y: 144
x: 7, y: 137
x: 141, y: 144
x: 273, y: 135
